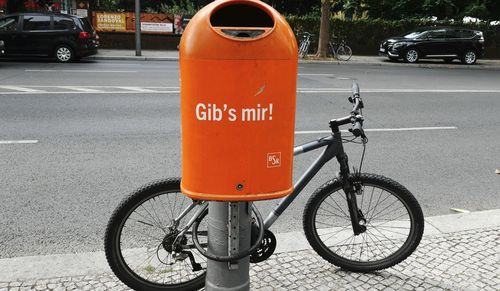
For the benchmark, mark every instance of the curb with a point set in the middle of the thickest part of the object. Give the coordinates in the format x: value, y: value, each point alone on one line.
x: 384, y: 63
x: 132, y: 58
x: 94, y: 263
x: 380, y: 63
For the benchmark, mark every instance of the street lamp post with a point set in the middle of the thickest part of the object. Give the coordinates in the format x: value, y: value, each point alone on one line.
x: 137, y: 28
x: 229, y: 229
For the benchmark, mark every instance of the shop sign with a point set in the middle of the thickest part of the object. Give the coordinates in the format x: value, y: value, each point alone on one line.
x: 111, y: 21
x: 157, y: 27
x: 82, y: 12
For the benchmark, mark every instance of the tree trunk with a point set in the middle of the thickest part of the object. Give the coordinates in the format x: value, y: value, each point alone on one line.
x: 324, y: 30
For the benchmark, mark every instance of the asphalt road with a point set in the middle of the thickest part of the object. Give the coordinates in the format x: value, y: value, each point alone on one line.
x: 105, y: 128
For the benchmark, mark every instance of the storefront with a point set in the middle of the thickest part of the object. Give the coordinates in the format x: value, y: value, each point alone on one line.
x: 76, y: 7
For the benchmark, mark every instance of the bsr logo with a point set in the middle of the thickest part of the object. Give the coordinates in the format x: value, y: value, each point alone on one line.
x: 274, y: 160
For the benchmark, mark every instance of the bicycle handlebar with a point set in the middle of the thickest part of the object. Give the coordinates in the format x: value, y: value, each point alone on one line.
x: 355, y: 118
x: 355, y: 89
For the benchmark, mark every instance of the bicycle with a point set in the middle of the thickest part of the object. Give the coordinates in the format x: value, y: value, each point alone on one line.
x: 304, y: 44
x: 357, y: 221
x: 341, y: 51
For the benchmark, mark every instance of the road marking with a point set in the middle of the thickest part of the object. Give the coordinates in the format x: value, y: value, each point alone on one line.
x: 336, y: 90
x: 80, y: 89
x: 18, y: 141
x: 22, y: 89
x: 80, y: 71
x: 380, y: 129
x: 81, y: 92
x: 327, y: 75
x: 137, y: 89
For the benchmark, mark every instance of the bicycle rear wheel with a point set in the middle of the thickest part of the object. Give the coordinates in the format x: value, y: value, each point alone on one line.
x: 344, y: 53
x: 392, y: 216
x: 139, y: 237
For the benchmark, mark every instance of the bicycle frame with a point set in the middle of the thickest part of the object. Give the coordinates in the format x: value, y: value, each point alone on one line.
x: 334, y: 148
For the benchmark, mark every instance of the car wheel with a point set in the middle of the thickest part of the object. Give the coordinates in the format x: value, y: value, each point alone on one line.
x: 64, y: 53
x: 448, y: 60
x: 469, y: 57
x: 411, y: 55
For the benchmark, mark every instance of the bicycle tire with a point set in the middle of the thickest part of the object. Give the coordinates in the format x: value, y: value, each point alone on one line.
x: 304, y: 47
x: 352, y: 263
x: 132, y: 276
x: 331, y: 49
x: 344, y: 53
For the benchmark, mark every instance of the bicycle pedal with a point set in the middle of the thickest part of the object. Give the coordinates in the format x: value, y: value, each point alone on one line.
x: 181, y: 256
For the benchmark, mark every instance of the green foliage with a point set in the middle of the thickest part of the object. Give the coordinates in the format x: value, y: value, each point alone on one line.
x: 180, y: 7
x: 149, y: 6
x: 365, y: 35
x: 403, y: 9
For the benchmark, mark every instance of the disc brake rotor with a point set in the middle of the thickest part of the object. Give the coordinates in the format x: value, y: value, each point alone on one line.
x: 266, y: 248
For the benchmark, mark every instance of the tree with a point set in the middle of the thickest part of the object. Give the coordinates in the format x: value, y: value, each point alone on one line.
x: 324, y: 30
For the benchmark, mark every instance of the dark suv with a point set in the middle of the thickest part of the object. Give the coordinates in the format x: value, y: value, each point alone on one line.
x: 65, y: 37
x: 438, y: 43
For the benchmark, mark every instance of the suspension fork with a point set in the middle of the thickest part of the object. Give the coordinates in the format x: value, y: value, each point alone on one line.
x: 347, y: 186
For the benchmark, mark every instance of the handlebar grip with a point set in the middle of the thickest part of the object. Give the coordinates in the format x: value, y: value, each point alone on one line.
x: 355, y: 90
x: 357, y: 129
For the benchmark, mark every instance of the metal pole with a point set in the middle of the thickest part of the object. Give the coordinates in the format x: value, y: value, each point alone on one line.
x: 229, y: 231
x: 138, y: 28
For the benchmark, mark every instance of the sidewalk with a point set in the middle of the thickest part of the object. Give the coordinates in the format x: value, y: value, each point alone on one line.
x: 164, y: 55
x: 458, y: 252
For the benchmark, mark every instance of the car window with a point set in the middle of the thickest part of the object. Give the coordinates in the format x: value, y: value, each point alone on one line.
x: 8, y: 24
x: 423, y: 35
x: 438, y: 34
x: 63, y: 23
x: 467, y: 34
x: 414, y: 34
x: 453, y: 33
x: 36, y: 22
x: 86, y: 24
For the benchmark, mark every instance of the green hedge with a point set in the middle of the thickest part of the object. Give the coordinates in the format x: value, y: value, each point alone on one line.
x: 364, y: 36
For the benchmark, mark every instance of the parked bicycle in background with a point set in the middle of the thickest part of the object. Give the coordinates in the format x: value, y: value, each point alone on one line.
x: 305, y: 42
x: 339, y: 49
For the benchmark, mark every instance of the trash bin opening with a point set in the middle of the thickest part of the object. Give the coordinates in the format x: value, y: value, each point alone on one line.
x: 242, y: 20
x: 243, y: 33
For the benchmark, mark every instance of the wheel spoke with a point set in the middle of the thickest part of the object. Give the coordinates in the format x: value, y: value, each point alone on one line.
x: 389, y: 221
x: 149, y: 224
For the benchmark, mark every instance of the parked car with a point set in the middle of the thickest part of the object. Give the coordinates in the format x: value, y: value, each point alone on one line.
x: 2, y: 47
x: 447, y: 43
x: 65, y: 37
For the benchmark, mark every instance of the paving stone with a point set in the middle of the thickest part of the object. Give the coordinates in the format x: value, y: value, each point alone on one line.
x: 457, y: 261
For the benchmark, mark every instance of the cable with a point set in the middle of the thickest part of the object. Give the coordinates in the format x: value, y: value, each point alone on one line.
x: 364, y: 141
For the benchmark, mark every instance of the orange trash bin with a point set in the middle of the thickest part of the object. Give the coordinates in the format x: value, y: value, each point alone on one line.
x: 238, y: 71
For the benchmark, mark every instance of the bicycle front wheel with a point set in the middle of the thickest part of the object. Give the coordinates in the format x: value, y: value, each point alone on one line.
x: 392, y: 216
x: 304, y: 47
x: 139, y: 241
x: 344, y: 53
